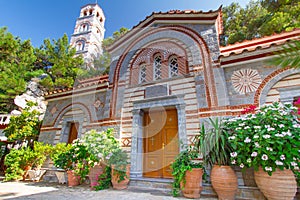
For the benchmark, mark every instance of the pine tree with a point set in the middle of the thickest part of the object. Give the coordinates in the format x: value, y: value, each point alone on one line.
x: 16, y: 68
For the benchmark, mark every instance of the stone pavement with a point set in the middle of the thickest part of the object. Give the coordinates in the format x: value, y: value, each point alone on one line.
x: 52, y: 191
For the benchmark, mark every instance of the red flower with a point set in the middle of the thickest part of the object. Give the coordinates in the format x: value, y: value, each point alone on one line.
x: 297, y: 102
x: 250, y: 109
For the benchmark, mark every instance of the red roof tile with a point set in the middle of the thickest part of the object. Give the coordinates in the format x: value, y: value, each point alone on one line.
x: 259, y: 43
x: 174, y: 13
x: 83, y: 83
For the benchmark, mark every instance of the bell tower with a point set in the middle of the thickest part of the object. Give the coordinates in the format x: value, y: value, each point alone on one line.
x: 89, y: 33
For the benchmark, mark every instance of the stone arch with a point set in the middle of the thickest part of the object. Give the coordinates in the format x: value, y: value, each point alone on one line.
x: 270, y: 81
x: 83, y: 27
x: 165, y: 48
x: 200, y: 55
x: 69, y: 108
x: 80, y: 44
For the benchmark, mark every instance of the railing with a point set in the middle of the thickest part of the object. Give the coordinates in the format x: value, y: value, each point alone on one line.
x: 4, y: 119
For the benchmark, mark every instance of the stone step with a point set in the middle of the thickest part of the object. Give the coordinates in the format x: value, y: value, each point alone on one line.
x: 153, y: 183
x: 164, y: 186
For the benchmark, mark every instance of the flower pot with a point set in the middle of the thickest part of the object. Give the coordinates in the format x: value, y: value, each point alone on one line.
x: 193, y: 184
x: 281, y: 185
x: 94, y: 174
x: 119, y: 185
x: 73, y: 180
x: 224, y: 182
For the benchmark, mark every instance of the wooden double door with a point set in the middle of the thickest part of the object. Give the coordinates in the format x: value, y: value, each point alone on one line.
x: 160, y: 142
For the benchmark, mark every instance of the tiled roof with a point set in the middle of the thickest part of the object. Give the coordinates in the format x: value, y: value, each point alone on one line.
x: 92, y: 81
x: 259, y: 43
x: 170, y: 13
x: 84, y: 83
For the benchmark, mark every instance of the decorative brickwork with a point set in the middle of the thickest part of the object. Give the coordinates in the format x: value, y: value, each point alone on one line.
x: 265, y: 82
x: 126, y: 142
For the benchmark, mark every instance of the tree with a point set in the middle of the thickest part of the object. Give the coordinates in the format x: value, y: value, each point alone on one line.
x: 59, y: 61
x: 116, y: 35
x: 258, y: 19
x: 25, y: 126
x: 283, y: 15
x: 16, y: 68
x: 239, y: 23
x: 101, y: 65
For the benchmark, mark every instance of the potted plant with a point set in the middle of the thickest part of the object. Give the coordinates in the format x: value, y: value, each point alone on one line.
x: 120, y: 168
x: 19, y: 161
x: 75, y: 161
x: 99, y: 145
x: 187, y: 171
x: 55, y: 152
x: 41, y: 153
x: 268, y: 141
x: 215, y: 149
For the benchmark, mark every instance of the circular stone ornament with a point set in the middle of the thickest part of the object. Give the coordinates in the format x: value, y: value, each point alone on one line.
x: 245, y: 80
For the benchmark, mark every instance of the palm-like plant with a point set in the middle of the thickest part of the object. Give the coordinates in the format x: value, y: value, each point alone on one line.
x: 289, y: 56
x: 213, y: 144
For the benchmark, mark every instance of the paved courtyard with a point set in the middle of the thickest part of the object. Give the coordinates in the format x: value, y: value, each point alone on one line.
x: 53, y: 191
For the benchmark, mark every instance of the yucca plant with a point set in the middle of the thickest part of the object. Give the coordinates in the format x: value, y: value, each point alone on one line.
x: 213, y: 143
x: 289, y: 56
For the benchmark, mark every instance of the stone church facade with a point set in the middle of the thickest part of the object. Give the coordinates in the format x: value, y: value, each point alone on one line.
x: 168, y: 74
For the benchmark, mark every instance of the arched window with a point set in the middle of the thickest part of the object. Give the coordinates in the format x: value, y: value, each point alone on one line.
x: 80, y: 45
x: 142, y: 73
x: 85, y: 13
x: 157, y: 67
x: 173, y: 66
x: 84, y: 27
x: 90, y: 11
x: 99, y: 32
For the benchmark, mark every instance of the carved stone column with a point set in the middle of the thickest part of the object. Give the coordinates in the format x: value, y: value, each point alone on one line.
x: 181, y: 126
x: 136, y: 169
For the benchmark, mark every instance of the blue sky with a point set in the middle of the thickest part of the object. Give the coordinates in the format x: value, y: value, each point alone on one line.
x: 40, y: 19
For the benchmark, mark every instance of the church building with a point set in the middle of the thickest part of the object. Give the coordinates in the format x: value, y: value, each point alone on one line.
x: 168, y: 74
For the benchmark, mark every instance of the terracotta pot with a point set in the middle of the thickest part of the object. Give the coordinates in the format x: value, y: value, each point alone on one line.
x: 193, y: 184
x: 73, y: 180
x: 224, y: 182
x: 119, y: 185
x: 281, y: 185
x: 94, y: 174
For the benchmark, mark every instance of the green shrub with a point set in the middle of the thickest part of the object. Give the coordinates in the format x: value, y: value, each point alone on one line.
x: 17, y: 160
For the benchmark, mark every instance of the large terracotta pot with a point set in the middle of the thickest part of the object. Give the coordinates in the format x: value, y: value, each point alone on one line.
x: 119, y: 185
x: 94, y: 174
x: 73, y: 180
x: 281, y: 185
x: 193, y: 184
x: 224, y: 182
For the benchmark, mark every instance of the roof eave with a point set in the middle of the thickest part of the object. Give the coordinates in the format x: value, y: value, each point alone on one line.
x: 158, y: 17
